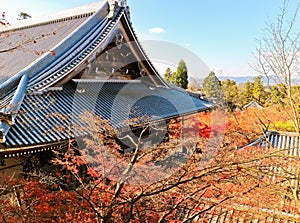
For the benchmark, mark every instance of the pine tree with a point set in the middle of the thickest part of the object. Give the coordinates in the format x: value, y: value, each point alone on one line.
x: 182, y: 75
x: 258, y: 90
x: 248, y: 93
x: 212, y: 86
x: 276, y: 96
x: 231, y: 94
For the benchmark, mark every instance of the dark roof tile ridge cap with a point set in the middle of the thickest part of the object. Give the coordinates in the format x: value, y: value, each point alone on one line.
x: 97, y: 16
x: 63, y: 15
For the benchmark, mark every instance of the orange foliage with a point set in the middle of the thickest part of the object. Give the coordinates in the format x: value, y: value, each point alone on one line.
x: 105, y: 192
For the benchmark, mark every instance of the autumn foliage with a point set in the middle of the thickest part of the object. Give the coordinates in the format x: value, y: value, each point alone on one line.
x: 199, y: 172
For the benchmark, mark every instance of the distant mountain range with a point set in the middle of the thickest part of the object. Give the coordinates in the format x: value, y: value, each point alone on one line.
x: 239, y: 79
x: 244, y: 79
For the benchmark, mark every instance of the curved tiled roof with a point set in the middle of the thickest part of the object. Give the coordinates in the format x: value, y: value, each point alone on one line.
x: 34, y: 42
x: 31, y: 38
x: 55, y: 49
x: 69, y: 46
x: 50, y: 116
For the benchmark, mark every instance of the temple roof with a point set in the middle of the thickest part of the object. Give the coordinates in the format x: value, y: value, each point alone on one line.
x: 53, y: 116
x: 289, y: 142
x: 41, y: 58
x: 32, y: 39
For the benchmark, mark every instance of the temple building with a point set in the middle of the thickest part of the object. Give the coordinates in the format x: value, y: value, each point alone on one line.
x: 87, y: 58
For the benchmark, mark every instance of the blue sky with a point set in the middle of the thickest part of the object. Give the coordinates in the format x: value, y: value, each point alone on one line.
x: 222, y: 33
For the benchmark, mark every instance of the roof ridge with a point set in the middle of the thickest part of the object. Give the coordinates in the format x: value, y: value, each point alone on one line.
x: 55, y: 17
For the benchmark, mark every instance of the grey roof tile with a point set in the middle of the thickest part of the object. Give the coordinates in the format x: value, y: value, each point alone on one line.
x: 46, y: 117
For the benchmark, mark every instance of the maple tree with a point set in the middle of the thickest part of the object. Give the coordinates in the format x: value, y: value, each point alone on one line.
x: 199, y: 170
x: 102, y: 183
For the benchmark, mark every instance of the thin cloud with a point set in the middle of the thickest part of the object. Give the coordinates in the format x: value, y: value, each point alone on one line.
x: 157, y: 30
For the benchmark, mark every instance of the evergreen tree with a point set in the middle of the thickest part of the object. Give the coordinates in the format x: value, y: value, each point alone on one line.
x: 230, y: 93
x: 212, y: 87
x: 247, y: 93
x: 182, y: 75
x: 258, y: 90
x: 276, y: 96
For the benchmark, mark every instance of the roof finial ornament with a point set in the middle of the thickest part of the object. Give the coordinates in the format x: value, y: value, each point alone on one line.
x: 122, y: 3
x: 114, y: 4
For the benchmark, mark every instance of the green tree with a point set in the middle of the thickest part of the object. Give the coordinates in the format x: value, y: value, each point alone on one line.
x: 230, y: 93
x: 276, y: 96
x: 182, y: 75
x: 258, y: 90
x: 248, y: 93
x: 212, y: 87
x: 168, y: 76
